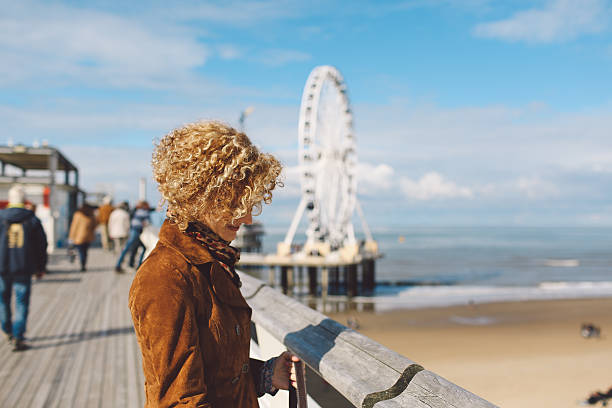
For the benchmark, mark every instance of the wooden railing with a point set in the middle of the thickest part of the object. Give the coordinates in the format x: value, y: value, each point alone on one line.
x: 366, y: 373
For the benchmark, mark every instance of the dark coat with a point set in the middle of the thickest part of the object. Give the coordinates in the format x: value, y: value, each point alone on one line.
x: 193, y: 327
x: 23, y: 243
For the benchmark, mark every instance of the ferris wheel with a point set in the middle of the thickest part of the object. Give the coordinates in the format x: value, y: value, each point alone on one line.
x: 328, y: 160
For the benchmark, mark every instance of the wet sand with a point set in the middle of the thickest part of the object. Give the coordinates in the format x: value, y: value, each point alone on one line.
x: 524, y: 354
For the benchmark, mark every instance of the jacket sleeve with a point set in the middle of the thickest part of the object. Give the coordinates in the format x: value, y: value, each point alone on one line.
x: 166, y: 328
x: 255, y: 368
x: 40, y: 246
x: 262, y: 372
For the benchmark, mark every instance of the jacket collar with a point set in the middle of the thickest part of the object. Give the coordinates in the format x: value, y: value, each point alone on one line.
x: 196, y: 254
x: 223, y: 287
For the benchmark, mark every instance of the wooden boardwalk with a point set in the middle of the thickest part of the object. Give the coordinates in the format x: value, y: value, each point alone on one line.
x: 84, y: 352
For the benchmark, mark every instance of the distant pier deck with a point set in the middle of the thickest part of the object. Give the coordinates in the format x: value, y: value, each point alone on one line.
x: 84, y: 352
x: 325, y: 275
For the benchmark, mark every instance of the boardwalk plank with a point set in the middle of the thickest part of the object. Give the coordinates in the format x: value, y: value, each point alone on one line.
x: 74, y: 380
x: 72, y: 350
x: 49, y: 380
x: 132, y: 368
x: 9, y: 370
x: 84, y: 352
x: 28, y: 367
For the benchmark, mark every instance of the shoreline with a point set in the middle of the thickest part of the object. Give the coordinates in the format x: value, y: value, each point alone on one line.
x: 428, y: 296
x: 514, y: 354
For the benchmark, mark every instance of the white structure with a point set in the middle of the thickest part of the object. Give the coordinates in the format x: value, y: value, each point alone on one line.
x: 55, y: 195
x: 328, y: 160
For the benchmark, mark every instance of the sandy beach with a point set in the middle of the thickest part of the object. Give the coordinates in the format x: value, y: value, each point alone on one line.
x: 516, y: 355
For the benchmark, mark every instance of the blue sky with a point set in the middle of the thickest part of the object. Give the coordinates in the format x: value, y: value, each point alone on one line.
x: 470, y: 112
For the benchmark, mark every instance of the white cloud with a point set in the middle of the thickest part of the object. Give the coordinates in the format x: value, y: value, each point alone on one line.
x: 229, y: 51
x: 239, y: 12
x: 42, y: 42
x: 278, y: 57
x: 432, y: 186
x: 372, y: 179
x: 291, y: 180
x: 154, y: 49
x: 477, y: 142
x: 559, y: 20
x: 117, y: 167
x: 536, y: 188
x: 72, y: 123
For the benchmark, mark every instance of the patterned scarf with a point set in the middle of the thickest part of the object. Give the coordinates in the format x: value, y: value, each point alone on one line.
x: 220, y: 249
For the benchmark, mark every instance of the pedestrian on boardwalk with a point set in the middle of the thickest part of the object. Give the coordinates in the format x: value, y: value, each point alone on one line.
x: 82, y: 231
x: 23, y: 253
x: 104, y: 212
x: 191, y: 321
x: 140, y: 219
x: 119, y: 225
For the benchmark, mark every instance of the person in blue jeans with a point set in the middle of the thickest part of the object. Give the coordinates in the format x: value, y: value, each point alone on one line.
x: 140, y: 219
x: 23, y: 253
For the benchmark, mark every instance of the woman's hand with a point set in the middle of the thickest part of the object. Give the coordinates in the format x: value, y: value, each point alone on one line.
x: 284, y: 371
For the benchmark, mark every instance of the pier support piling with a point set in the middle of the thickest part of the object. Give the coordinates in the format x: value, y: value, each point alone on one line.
x: 284, y: 280
x: 272, y: 276
x: 334, y: 284
x: 351, y: 280
x: 312, y: 280
x: 324, y: 285
x: 368, y: 268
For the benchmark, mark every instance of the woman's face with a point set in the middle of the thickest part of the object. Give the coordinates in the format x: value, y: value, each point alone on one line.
x: 225, y: 228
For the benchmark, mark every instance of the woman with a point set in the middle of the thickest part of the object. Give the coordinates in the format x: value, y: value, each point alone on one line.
x: 191, y: 321
x: 82, y: 232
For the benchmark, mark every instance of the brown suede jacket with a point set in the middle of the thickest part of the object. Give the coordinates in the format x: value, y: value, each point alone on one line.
x: 82, y: 228
x: 194, y: 333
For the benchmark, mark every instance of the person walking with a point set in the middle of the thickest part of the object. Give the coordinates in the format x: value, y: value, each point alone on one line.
x: 119, y: 225
x: 23, y: 253
x: 104, y: 212
x: 140, y: 219
x: 82, y: 232
x: 191, y: 321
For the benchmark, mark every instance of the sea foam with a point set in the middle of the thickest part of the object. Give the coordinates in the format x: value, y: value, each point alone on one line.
x: 418, y: 297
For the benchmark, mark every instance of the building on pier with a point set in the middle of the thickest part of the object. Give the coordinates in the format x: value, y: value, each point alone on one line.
x: 51, y: 182
x: 248, y: 238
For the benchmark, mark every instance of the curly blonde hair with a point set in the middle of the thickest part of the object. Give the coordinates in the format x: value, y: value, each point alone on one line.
x: 210, y: 168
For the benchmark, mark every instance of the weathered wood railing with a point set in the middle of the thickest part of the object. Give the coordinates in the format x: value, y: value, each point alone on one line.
x: 366, y: 373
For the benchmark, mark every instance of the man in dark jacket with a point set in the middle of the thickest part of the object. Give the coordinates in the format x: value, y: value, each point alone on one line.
x: 23, y: 253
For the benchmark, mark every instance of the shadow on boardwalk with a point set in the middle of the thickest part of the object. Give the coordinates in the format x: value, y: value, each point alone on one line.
x: 65, y: 339
x: 84, y: 352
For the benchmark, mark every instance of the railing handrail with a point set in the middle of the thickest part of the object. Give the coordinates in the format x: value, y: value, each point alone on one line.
x: 364, y: 371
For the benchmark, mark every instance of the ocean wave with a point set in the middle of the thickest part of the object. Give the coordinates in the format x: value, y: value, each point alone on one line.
x: 562, y: 263
x: 418, y: 297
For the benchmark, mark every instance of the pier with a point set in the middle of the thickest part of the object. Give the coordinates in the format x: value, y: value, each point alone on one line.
x: 84, y: 351
x: 316, y: 275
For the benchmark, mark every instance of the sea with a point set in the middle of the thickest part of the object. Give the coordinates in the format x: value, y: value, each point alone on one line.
x: 445, y: 266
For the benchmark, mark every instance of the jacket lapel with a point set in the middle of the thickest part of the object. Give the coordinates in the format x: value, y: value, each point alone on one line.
x: 198, y: 256
x: 224, y: 288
